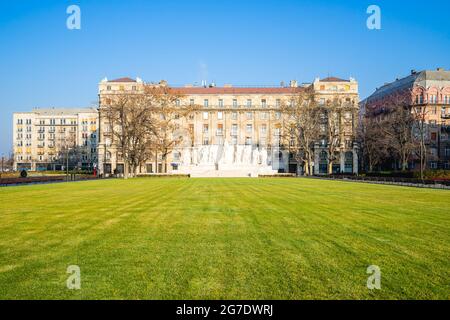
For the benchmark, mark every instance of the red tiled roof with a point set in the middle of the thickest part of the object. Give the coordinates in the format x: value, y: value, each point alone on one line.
x: 234, y: 90
x: 333, y: 79
x: 126, y: 79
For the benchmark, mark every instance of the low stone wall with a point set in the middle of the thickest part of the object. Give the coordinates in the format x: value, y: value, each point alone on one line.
x: 277, y: 175
x: 433, y: 184
x: 45, y: 179
x: 18, y: 181
x: 162, y: 175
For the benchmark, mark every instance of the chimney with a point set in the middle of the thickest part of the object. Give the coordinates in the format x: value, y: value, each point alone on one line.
x: 293, y: 84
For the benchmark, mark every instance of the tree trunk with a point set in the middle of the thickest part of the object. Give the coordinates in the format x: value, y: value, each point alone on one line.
x: 125, y: 170
x: 404, y: 164
x: 330, y: 167
x: 306, y: 168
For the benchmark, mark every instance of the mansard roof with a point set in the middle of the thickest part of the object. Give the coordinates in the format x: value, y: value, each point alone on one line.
x: 237, y: 90
x: 333, y: 79
x: 125, y: 79
x: 425, y: 78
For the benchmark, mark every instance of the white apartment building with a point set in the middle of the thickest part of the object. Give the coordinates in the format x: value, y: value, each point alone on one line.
x: 52, y: 138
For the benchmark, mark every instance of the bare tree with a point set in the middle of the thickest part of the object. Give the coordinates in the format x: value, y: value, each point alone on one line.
x: 420, y: 131
x: 68, y: 152
x: 302, y: 126
x: 130, y: 123
x: 168, y: 112
x: 398, y: 123
x: 144, y: 125
x: 373, y: 142
x: 331, y: 118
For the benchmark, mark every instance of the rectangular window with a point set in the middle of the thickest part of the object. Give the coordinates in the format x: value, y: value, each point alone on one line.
x: 205, y: 128
x: 205, y: 115
x: 248, y: 129
x: 249, y: 115
x: 205, y: 103
x: 205, y: 141
x: 248, y: 141
x: 234, y: 140
x: 220, y: 115
x: 263, y: 129
x: 219, y: 129
x: 277, y: 131
x: 278, y: 103
x: 235, y: 103
x: 234, y: 115
x: 447, y: 152
x: 221, y: 103
x: 277, y: 115
x: 249, y: 103
x: 234, y: 129
x: 263, y: 103
x: 263, y: 116
x: 263, y: 141
x: 433, y: 136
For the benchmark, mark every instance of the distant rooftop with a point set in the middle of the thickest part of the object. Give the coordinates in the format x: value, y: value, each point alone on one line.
x: 284, y: 88
x: 236, y: 90
x: 62, y: 111
x: 333, y: 79
x: 125, y: 79
x: 425, y: 78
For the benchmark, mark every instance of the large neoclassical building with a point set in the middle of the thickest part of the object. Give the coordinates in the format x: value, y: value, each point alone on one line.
x: 237, y: 130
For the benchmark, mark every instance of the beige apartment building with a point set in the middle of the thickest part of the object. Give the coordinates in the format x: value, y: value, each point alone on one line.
x: 52, y: 138
x: 237, y: 131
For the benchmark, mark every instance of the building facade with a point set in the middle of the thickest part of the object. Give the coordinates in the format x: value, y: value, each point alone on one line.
x: 430, y: 90
x: 52, y: 138
x: 236, y: 131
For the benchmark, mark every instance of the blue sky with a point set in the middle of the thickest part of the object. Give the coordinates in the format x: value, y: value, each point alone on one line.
x: 244, y: 42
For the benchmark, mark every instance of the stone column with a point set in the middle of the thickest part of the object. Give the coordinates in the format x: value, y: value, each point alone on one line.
x: 316, y: 158
x: 355, y: 159
x: 342, y: 161
x: 100, y: 157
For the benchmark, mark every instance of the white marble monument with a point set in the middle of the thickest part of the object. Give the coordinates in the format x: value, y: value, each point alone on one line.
x: 227, y: 161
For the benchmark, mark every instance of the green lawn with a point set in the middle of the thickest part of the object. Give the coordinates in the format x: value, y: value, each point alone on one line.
x: 167, y: 238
